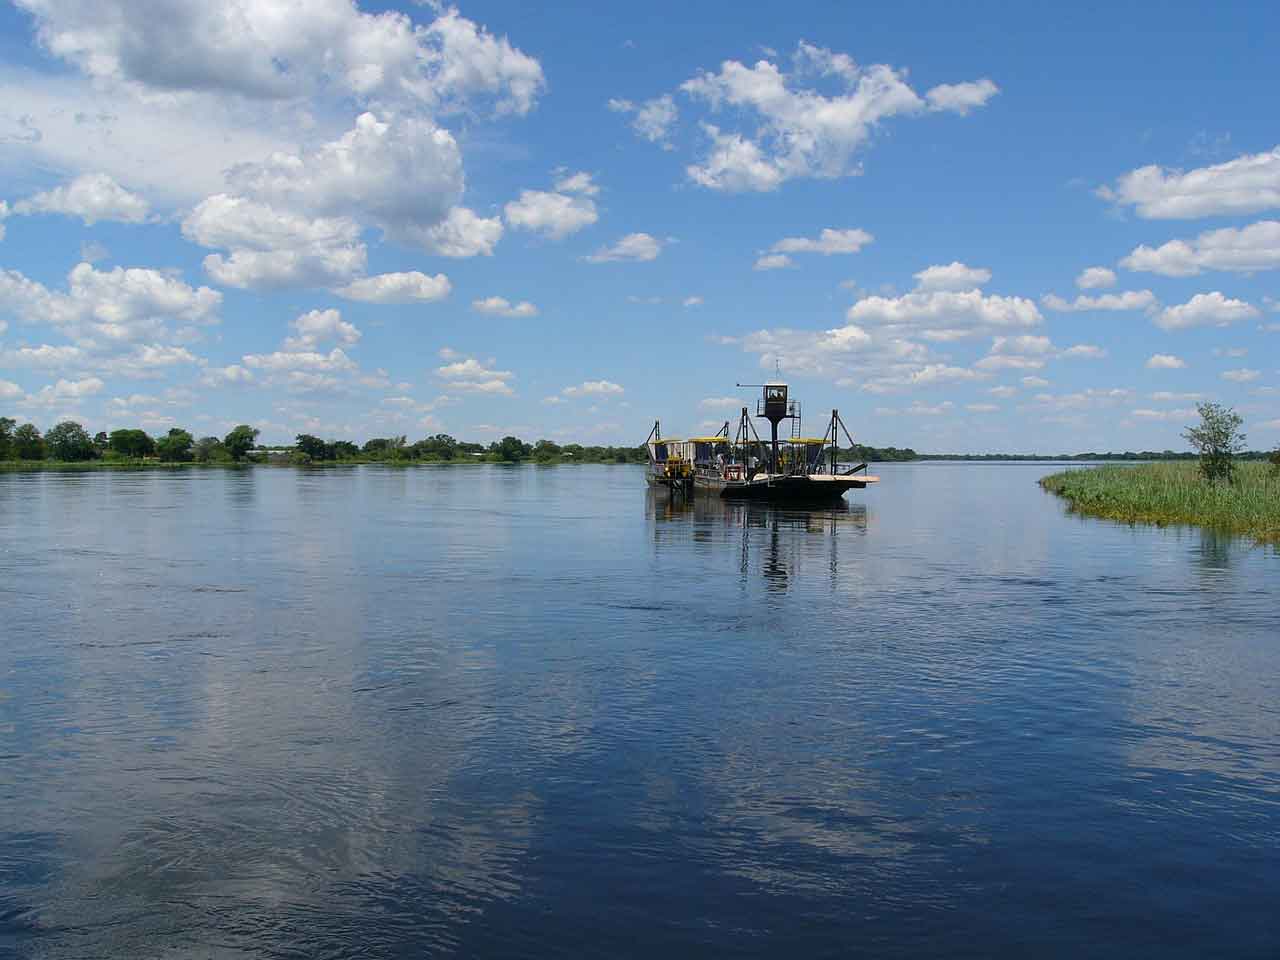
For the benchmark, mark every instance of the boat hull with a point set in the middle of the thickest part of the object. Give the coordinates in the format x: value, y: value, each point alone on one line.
x: 778, y: 489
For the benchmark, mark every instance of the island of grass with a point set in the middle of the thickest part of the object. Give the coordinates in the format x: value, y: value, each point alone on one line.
x: 1165, y: 493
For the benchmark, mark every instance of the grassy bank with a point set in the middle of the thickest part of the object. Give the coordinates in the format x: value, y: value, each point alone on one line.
x: 1163, y: 493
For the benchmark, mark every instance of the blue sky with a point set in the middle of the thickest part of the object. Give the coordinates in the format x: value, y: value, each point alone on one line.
x: 969, y: 227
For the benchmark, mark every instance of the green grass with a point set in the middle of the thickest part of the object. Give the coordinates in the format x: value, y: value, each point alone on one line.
x: 1163, y: 493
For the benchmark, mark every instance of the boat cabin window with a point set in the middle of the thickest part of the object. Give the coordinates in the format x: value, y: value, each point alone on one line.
x: 775, y: 393
x: 660, y: 452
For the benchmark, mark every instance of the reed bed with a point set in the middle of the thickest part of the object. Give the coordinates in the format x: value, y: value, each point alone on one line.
x: 1163, y: 493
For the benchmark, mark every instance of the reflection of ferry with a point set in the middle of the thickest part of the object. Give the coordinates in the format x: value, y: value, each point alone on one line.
x: 788, y: 470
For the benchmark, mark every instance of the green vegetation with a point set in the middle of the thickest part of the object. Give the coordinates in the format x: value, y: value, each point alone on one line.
x: 1164, y: 493
x: 1217, y: 438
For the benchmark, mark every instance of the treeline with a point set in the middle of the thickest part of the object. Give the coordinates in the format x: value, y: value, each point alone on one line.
x: 69, y: 442
x: 1118, y: 457
x: 442, y: 448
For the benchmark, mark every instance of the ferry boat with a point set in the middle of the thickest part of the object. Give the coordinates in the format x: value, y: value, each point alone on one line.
x: 795, y: 469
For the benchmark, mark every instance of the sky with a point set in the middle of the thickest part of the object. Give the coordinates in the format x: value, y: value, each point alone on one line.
x: 970, y: 227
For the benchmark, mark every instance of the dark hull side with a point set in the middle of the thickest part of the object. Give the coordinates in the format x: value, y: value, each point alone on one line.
x: 791, y: 490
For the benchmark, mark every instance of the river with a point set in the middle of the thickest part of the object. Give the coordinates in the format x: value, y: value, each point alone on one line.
x: 497, y: 712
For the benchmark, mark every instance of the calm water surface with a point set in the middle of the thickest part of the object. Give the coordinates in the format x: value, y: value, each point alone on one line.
x: 534, y: 712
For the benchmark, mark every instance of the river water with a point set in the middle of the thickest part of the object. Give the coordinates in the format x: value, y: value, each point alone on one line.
x: 499, y: 712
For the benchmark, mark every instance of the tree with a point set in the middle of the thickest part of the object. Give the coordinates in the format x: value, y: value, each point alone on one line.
x: 69, y: 442
x: 1275, y: 460
x: 344, y: 450
x: 240, y: 441
x: 510, y: 449
x: 209, y: 450
x: 176, y: 446
x: 6, y: 437
x: 131, y: 443
x: 313, y: 447
x: 100, y: 442
x: 1218, y: 439
x: 27, y: 443
x: 544, y: 451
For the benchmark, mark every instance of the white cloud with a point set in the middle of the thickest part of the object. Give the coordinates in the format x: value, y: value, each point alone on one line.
x: 1095, y: 278
x: 259, y: 51
x: 402, y: 174
x: 1003, y: 361
x: 772, y: 261
x: 1026, y: 344
x: 1165, y: 361
x: 66, y: 391
x: 593, y: 388
x: 273, y: 248
x: 462, y: 233
x: 9, y: 390
x: 1183, y: 414
x: 470, y: 376
x: 799, y: 131
x: 981, y: 407
x: 653, y: 119
x: 336, y: 360
x: 224, y: 376
x: 1242, y: 375
x: 410, y: 287
x: 952, y: 276
x: 1033, y: 383
x: 1231, y: 351
x: 1166, y: 396
x: 1085, y: 351
x: 918, y: 409
x: 1129, y: 300
x: 44, y: 357
x: 91, y: 197
x: 828, y: 242
x: 110, y: 305
x: 1247, y: 184
x: 961, y: 97
x: 1003, y: 391
x: 320, y: 326
x: 1238, y: 250
x: 556, y: 215
x: 962, y: 312
x: 580, y: 182
x: 1205, y: 310
x: 632, y: 247
x: 721, y: 403
x: 691, y: 302
x: 502, y: 307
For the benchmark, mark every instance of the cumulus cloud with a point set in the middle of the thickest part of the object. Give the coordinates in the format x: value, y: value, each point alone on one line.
x: 952, y: 276
x: 251, y: 49
x: 961, y: 97
x: 336, y: 360
x: 272, y: 248
x: 632, y: 247
x: 409, y: 287
x: 1247, y: 184
x: 1183, y: 414
x: 651, y: 119
x: 9, y: 390
x: 226, y: 376
x: 1095, y: 278
x: 828, y: 242
x: 1243, y: 375
x: 66, y: 391
x: 91, y: 197
x: 1129, y: 300
x: 1205, y: 310
x: 555, y: 214
x: 1237, y: 250
x: 772, y: 261
x: 794, y: 130
x: 946, y: 311
x: 321, y: 326
x: 593, y: 388
x: 1165, y: 361
x: 462, y: 233
x: 471, y: 376
x: 502, y: 307
x: 118, y: 305
x: 691, y: 302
